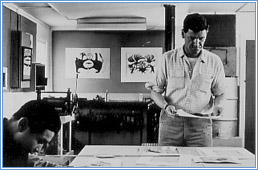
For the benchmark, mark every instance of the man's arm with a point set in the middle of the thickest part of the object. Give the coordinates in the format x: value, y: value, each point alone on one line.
x: 161, y: 102
x: 219, y: 102
x: 37, y: 161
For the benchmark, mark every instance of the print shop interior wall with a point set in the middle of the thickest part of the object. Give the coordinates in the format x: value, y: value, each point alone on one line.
x: 111, y: 40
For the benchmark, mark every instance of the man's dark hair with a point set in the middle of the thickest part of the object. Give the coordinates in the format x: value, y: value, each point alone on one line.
x: 41, y: 115
x: 195, y: 22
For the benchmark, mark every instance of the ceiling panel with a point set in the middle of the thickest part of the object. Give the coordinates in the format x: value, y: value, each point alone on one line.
x: 65, y: 14
x: 215, y: 7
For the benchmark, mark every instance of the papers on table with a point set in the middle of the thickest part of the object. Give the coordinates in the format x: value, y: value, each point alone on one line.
x: 182, y: 113
x: 96, y: 162
x: 169, y: 150
x: 222, y: 152
x: 158, y: 159
x: 219, y: 156
x: 208, y: 159
x: 163, y: 156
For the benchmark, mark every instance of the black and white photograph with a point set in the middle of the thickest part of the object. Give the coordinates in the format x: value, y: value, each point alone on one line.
x: 129, y: 84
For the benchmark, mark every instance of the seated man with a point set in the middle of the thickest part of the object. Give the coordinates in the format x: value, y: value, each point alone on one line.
x: 32, y: 126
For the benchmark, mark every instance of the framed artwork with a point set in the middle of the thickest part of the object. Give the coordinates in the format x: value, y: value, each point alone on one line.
x: 138, y: 64
x: 26, y: 63
x: 87, y: 63
x: 4, y: 78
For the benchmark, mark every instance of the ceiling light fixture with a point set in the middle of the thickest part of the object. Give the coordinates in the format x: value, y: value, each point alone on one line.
x: 112, y: 23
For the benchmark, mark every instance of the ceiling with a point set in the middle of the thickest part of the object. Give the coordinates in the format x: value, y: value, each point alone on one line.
x: 62, y: 16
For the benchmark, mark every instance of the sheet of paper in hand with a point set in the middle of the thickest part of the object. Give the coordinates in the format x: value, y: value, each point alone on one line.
x: 182, y: 113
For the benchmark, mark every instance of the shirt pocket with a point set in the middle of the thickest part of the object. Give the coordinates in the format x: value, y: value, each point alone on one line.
x: 205, y: 85
x: 176, y: 81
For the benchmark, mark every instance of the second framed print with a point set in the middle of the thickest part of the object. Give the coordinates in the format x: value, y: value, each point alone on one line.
x: 138, y: 64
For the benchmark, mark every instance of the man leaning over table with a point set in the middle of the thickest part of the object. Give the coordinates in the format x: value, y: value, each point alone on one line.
x: 192, y: 79
x: 31, y: 127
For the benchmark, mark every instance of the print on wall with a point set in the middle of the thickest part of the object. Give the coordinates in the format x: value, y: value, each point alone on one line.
x: 138, y: 64
x: 87, y: 62
x: 26, y: 63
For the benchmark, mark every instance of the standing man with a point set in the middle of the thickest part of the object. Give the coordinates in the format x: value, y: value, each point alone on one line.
x: 32, y: 126
x: 192, y: 79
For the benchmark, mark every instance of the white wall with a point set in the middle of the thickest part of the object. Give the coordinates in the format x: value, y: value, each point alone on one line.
x: 13, y: 101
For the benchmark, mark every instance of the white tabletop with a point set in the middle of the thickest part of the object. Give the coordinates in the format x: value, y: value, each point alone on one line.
x: 162, y: 156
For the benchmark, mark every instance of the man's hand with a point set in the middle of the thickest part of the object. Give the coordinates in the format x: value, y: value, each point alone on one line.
x: 171, y: 110
x: 219, y: 102
x: 217, y: 111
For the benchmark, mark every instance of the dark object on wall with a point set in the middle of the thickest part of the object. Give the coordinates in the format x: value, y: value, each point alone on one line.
x: 4, y: 78
x: 38, y: 81
x: 15, y: 60
x: 222, y: 31
x: 169, y: 27
x: 40, y: 76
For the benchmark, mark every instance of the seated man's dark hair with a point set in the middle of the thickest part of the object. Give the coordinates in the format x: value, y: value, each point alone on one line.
x: 41, y: 115
x: 195, y: 22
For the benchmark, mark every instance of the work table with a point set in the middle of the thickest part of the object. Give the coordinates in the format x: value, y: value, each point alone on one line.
x: 162, y: 156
